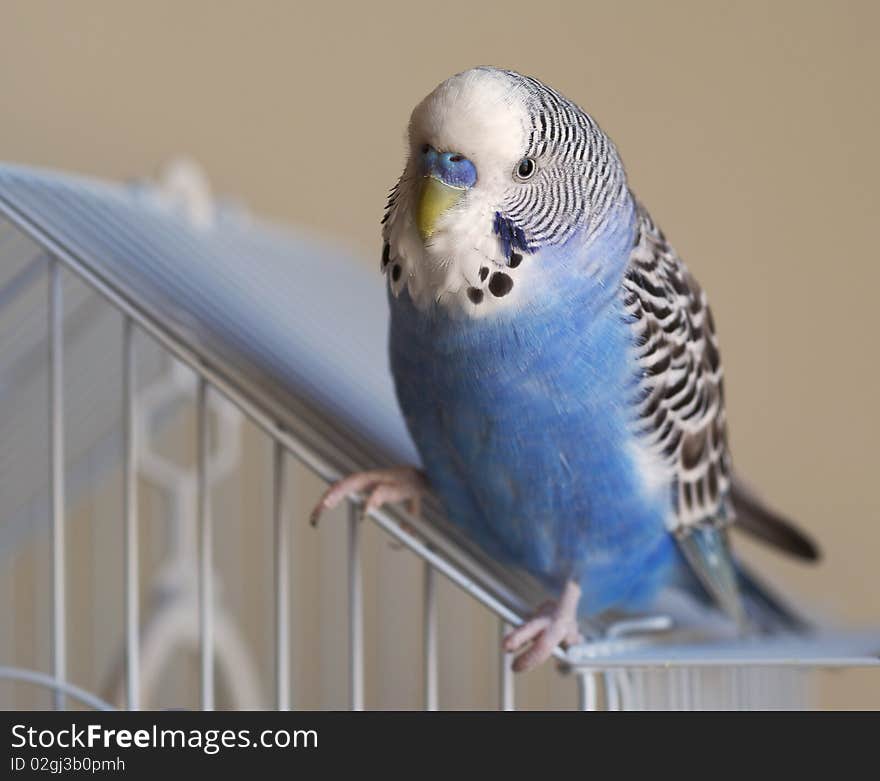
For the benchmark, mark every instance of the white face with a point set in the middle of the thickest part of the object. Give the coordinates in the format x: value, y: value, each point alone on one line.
x: 480, y: 114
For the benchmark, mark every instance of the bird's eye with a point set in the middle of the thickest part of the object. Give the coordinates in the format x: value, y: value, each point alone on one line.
x: 525, y: 169
x: 426, y: 148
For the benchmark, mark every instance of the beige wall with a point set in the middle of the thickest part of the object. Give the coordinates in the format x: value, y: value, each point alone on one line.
x: 749, y: 129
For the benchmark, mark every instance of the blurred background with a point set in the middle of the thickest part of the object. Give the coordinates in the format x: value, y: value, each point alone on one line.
x: 748, y: 129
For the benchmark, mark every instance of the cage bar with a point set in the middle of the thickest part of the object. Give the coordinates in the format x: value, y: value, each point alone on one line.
x: 206, y: 583
x: 506, y: 692
x: 355, y: 611
x: 56, y: 483
x: 282, y: 579
x: 130, y: 501
x: 588, y: 694
x: 429, y: 630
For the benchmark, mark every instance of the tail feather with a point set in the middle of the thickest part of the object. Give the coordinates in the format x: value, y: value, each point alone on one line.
x: 765, y: 609
x: 755, y: 517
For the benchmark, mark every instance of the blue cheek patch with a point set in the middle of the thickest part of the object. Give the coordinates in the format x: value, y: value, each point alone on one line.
x: 512, y: 237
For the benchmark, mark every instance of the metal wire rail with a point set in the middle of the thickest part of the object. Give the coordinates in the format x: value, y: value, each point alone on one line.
x: 606, y: 674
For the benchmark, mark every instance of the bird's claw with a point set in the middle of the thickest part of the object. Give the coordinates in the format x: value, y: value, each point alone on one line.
x: 381, y: 486
x: 554, y: 624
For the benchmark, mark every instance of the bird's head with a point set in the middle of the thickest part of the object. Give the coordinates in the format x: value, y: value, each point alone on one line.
x: 501, y: 168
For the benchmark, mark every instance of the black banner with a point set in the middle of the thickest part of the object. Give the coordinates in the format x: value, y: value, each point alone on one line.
x: 135, y: 745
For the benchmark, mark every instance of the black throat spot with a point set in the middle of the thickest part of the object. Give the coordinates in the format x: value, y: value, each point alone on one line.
x: 500, y: 284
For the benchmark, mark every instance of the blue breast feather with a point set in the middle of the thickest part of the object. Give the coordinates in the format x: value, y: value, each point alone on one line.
x: 522, y: 422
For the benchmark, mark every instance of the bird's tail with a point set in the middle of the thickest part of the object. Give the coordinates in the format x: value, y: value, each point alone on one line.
x: 765, y: 609
x: 756, y: 517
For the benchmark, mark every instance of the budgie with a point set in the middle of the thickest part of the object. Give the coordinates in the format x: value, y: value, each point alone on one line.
x: 557, y: 366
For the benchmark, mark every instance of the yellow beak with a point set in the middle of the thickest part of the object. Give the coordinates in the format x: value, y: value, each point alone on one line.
x: 435, y: 198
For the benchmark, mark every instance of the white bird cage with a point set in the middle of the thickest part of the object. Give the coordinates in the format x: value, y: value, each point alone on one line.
x: 269, y: 329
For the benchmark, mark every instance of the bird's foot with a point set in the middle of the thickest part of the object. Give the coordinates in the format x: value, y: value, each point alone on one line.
x: 381, y: 486
x: 554, y: 623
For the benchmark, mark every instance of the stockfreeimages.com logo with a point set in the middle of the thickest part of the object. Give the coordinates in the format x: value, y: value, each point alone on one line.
x: 210, y: 741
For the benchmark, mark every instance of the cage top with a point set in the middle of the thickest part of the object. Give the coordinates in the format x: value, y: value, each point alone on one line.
x: 289, y: 323
x: 296, y: 317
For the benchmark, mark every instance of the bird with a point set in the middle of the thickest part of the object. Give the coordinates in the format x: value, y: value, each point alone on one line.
x: 558, y: 369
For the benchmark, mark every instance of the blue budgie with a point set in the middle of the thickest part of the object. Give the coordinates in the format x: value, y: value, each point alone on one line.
x: 557, y: 366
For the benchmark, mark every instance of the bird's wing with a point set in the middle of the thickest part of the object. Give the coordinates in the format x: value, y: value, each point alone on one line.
x: 680, y: 404
x: 681, y: 396
x: 680, y: 413
x: 680, y: 400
